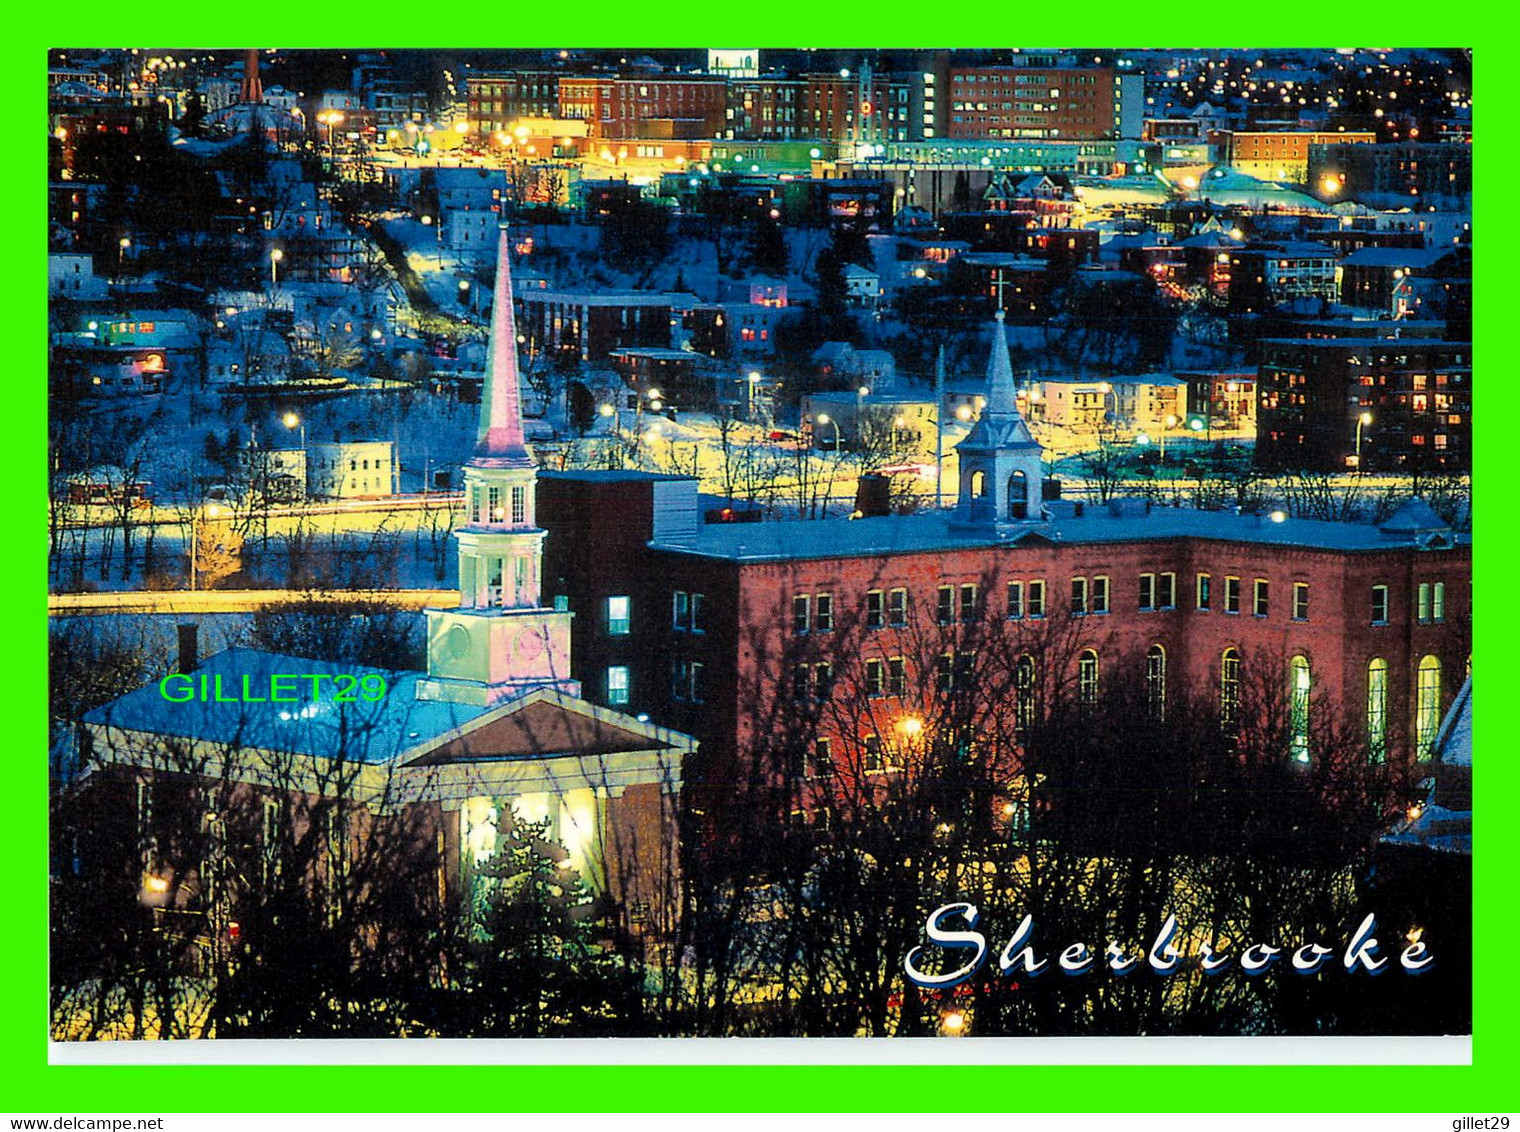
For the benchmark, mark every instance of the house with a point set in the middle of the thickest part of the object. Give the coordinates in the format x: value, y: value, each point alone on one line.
x: 862, y: 285
x: 352, y: 469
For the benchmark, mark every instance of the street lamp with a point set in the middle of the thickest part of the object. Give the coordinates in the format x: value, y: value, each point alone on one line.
x: 212, y: 512
x: 754, y: 385
x: 275, y: 256
x: 466, y: 294
x: 293, y: 420
x: 330, y: 118
x: 824, y: 418
x: 121, y: 254
x: 1361, y: 422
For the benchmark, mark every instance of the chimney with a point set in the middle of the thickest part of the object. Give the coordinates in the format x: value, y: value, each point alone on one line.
x: 873, y: 495
x: 189, y: 647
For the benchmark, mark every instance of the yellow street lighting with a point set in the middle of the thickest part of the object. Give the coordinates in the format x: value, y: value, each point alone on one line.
x: 910, y: 725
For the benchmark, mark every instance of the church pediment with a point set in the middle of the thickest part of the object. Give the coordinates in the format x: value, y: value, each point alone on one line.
x: 541, y: 725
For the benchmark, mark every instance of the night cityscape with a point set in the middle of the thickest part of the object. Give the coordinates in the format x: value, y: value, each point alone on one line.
x: 644, y: 543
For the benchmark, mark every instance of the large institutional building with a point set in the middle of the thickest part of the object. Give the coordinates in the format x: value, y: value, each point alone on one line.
x: 1362, y: 630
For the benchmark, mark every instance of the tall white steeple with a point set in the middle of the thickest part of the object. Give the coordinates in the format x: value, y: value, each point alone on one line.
x: 1000, y: 461
x: 500, y: 642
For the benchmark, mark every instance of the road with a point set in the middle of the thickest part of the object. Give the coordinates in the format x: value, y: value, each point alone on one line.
x: 234, y: 601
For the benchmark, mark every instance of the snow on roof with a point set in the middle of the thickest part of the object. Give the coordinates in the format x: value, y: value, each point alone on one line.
x: 783, y: 540
x: 360, y: 731
x: 1396, y: 257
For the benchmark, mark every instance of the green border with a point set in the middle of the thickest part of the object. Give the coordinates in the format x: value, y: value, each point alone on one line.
x: 1486, y: 1086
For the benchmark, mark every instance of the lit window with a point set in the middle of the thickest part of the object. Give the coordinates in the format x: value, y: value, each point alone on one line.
x: 1087, y: 678
x: 1229, y: 690
x: 1377, y: 710
x: 618, y: 615
x: 1438, y: 602
x: 1299, y: 685
x: 1427, y: 712
x: 519, y: 504
x: 617, y: 684
x: 1422, y: 606
x: 1203, y: 596
x: 1300, y: 601
x: 1380, y: 605
x: 1155, y: 682
x: 873, y: 762
x: 1024, y: 689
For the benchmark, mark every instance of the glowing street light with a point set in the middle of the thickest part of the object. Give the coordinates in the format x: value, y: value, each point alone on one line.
x: 910, y: 726
x: 824, y: 418
x: 1361, y: 422
x: 293, y: 420
x: 275, y: 256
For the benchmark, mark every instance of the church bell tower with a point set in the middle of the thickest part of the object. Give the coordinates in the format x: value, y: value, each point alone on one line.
x: 1002, y: 478
x: 501, y: 642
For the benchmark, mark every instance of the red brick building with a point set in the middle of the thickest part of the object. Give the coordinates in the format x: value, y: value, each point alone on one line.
x: 1034, y: 102
x: 1360, y: 630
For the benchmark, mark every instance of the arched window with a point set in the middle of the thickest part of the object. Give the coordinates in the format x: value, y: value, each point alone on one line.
x: 1427, y: 706
x: 1018, y: 496
x: 1155, y: 682
x: 1229, y: 690
x: 1299, y: 683
x: 1024, y: 689
x: 1377, y: 710
x: 1087, y: 678
x: 978, y: 484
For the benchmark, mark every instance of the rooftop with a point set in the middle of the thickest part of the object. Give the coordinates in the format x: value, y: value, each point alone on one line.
x: 360, y: 731
x: 795, y: 539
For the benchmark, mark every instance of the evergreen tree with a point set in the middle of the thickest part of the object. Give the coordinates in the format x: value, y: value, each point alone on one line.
x: 535, y: 958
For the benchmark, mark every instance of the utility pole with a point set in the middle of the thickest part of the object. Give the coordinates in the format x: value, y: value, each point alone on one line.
x: 939, y: 428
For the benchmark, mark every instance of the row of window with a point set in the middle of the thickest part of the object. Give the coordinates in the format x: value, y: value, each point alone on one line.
x: 1090, y: 595
x: 493, y: 509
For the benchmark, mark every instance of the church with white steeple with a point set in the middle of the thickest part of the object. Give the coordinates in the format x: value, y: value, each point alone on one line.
x: 494, y: 731
x: 1002, y: 480
x: 500, y: 641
